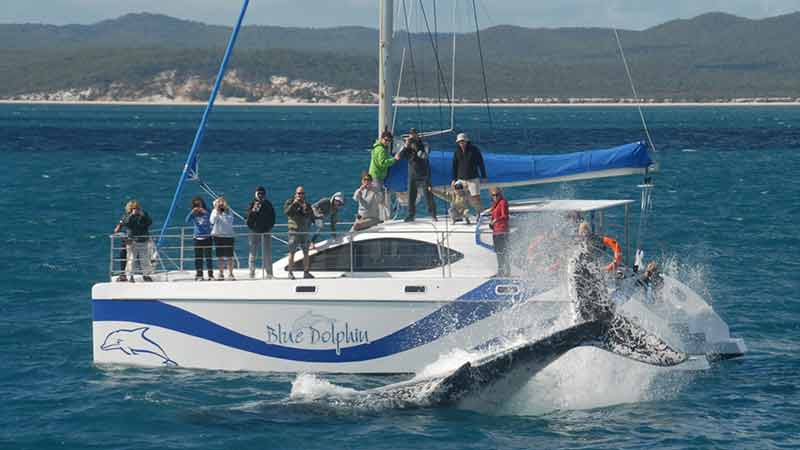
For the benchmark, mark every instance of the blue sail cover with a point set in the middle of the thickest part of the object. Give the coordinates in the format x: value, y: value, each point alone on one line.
x: 519, y: 170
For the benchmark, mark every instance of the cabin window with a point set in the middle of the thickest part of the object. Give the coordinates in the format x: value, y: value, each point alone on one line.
x: 382, y: 255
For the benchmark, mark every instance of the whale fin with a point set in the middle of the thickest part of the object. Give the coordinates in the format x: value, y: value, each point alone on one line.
x: 623, y: 337
x: 512, y: 368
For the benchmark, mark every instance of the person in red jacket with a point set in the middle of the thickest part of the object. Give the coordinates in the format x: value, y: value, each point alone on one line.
x: 499, y: 226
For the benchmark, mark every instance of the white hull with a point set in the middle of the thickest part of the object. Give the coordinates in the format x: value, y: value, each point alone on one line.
x: 252, y: 326
x: 388, y: 334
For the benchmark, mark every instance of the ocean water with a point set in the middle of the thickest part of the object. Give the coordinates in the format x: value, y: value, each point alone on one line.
x: 726, y: 220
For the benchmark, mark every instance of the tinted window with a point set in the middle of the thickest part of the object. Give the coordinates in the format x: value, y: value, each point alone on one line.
x: 382, y: 255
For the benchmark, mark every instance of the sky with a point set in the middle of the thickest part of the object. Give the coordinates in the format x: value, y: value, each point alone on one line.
x: 626, y: 14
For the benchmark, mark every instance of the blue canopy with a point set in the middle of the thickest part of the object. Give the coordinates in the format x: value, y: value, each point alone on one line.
x: 519, y: 170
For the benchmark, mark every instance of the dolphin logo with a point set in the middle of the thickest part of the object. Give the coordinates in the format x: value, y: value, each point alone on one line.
x: 134, y: 342
x: 311, y: 320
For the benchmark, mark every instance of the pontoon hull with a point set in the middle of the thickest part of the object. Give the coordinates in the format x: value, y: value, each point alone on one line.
x: 299, y: 335
x: 238, y: 326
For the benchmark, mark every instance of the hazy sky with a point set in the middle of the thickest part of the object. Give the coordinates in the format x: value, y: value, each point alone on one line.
x: 632, y: 14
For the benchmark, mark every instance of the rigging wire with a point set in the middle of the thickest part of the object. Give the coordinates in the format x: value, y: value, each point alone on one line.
x: 483, y: 67
x: 397, y: 92
x: 453, y: 72
x: 633, y: 89
x: 436, y: 50
x: 413, y: 66
x: 439, y: 73
x: 646, y: 186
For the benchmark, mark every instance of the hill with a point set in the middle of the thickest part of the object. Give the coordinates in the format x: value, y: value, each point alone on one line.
x: 714, y: 56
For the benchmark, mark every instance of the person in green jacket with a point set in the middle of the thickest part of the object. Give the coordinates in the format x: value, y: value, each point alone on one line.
x: 381, y: 159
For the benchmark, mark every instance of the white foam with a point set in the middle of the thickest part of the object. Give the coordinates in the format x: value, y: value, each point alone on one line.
x: 309, y: 387
x: 447, y: 363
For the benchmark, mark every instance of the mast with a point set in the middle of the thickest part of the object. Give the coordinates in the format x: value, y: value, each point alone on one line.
x: 385, y: 65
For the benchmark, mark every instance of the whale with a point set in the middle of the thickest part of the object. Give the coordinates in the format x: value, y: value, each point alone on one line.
x: 497, y: 376
x: 134, y: 342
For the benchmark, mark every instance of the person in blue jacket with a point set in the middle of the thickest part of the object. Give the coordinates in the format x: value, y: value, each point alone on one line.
x: 200, y: 218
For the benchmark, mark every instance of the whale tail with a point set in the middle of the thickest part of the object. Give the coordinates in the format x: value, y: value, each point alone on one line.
x: 506, y: 372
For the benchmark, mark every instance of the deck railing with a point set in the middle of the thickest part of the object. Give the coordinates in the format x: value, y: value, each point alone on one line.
x: 337, y: 252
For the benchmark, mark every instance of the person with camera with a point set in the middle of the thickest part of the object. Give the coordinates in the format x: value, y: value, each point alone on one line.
x: 419, y: 173
x: 121, y: 233
x: 368, y: 198
x: 222, y: 233
x: 138, y: 222
x: 260, y: 220
x: 200, y: 218
x: 327, y: 207
x: 499, y: 226
x: 300, y: 215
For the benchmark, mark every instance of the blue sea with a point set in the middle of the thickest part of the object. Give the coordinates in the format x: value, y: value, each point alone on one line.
x: 726, y: 214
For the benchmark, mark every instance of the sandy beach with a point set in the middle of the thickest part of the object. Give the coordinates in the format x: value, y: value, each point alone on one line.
x: 730, y: 103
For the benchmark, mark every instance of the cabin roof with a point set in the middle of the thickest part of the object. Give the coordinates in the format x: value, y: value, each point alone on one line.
x: 527, y: 206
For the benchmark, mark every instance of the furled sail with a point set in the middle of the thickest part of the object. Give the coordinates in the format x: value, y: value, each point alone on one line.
x: 506, y: 169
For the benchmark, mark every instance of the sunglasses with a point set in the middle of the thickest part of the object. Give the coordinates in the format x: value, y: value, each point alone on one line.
x: 300, y: 193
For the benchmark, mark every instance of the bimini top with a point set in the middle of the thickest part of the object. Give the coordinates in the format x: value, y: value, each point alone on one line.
x: 520, y: 170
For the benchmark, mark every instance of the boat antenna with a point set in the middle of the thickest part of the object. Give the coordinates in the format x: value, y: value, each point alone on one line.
x: 201, y: 129
x: 633, y: 89
x: 483, y: 67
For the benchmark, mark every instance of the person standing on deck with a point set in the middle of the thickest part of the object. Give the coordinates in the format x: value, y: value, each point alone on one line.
x: 222, y: 232
x: 138, y: 224
x: 468, y: 167
x: 499, y: 226
x: 260, y: 220
x: 201, y: 219
x: 381, y: 159
x: 419, y: 174
x: 120, y: 232
x: 299, y: 215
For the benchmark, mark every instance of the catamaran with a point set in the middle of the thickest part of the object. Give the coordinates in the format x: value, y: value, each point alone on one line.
x: 396, y: 297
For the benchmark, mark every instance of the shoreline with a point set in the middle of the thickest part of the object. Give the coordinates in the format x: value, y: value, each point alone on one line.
x: 406, y: 105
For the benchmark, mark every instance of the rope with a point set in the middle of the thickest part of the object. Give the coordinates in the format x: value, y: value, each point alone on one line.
x: 633, y: 88
x: 483, y: 67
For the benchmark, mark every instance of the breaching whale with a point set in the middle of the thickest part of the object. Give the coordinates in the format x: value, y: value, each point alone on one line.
x: 502, y: 374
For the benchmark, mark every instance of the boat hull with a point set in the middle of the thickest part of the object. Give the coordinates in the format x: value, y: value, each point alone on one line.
x: 317, y: 335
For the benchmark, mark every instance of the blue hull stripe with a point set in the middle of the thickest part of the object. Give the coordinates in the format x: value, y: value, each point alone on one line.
x: 473, y: 306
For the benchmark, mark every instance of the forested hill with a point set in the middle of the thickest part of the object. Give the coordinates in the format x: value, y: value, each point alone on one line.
x: 153, y: 57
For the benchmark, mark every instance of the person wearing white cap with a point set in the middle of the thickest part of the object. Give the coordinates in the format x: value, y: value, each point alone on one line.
x: 468, y: 167
x: 327, y: 207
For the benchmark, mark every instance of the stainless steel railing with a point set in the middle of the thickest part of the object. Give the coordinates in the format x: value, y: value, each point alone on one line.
x: 338, y: 252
